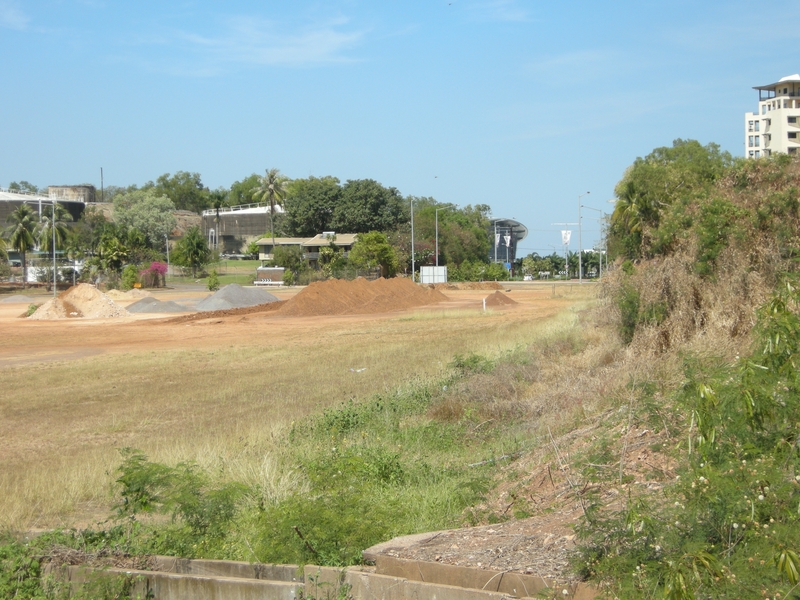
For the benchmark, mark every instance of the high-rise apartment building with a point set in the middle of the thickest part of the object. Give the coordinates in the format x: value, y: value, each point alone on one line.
x: 774, y: 127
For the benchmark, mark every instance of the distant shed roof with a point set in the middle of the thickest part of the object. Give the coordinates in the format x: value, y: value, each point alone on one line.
x: 282, y: 241
x: 340, y: 239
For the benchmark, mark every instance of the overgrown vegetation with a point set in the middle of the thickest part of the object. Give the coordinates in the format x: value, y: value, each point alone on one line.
x: 713, y: 303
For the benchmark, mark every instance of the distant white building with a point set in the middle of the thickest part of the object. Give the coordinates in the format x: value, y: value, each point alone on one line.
x: 774, y: 126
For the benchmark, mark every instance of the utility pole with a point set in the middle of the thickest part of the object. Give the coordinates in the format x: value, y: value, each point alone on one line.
x: 600, y: 220
x: 580, y: 240
x: 413, y: 265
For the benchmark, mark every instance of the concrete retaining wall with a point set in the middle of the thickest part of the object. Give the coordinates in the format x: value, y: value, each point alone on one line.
x: 175, y: 586
x: 390, y: 579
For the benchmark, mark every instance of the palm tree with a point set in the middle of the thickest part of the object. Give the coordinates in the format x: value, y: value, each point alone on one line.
x: 20, y: 234
x: 52, y: 229
x: 272, y: 188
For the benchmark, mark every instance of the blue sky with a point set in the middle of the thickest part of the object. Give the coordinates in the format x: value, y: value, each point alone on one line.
x: 520, y: 105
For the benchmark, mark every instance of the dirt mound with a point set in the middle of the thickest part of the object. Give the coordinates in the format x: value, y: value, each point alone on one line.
x: 154, y: 305
x: 499, y: 299
x: 18, y: 299
x: 466, y: 285
x: 358, y: 297
x: 235, y: 296
x: 83, y: 300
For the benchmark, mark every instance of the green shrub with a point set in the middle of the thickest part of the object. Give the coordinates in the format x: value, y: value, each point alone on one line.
x: 288, y: 277
x: 130, y: 276
x: 628, y: 301
x: 213, y: 281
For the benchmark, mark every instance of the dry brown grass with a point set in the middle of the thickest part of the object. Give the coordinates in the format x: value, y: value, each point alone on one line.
x: 226, y: 406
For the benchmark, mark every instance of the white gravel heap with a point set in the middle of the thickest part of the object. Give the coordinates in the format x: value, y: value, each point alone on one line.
x: 154, y: 305
x: 235, y: 296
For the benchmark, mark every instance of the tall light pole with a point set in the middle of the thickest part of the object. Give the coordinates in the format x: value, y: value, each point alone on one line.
x: 413, y: 278
x: 53, y: 227
x: 444, y: 207
x: 580, y: 240
x: 601, y: 256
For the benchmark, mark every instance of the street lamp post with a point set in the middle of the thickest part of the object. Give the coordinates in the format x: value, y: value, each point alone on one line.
x: 601, y: 256
x: 53, y: 227
x: 580, y: 240
x: 445, y: 207
x: 413, y: 278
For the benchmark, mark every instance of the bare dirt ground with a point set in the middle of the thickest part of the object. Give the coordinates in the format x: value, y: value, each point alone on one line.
x: 26, y: 342
x: 538, y: 545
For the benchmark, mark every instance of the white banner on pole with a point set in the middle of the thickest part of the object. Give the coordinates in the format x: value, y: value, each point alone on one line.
x: 507, y: 239
x: 496, y: 240
x: 565, y: 235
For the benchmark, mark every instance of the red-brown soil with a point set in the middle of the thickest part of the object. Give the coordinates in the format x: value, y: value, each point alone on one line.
x: 499, y: 299
x: 359, y: 297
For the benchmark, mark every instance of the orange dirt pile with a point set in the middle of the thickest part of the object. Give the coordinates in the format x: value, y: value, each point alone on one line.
x: 499, y: 299
x: 359, y: 297
x: 466, y: 285
x: 82, y: 300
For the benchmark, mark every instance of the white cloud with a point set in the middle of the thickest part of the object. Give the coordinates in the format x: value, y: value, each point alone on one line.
x: 11, y: 17
x: 498, y: 10
x: 255, y: 42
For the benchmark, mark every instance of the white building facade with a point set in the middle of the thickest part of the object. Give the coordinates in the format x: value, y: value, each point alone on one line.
x: 775, y: 126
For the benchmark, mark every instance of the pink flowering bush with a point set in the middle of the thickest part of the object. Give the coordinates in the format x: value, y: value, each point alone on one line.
x: 154, y: 275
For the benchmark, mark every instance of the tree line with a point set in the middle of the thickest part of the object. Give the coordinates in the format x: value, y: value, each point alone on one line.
x: 143, y: 219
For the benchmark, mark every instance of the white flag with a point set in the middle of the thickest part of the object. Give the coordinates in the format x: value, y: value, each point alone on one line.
x: 565, y: 235
x: 496, y: 239
x: 507, y: 239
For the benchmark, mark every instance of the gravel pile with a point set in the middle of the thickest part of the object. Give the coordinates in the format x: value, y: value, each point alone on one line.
x: 235, y: 296
x: 18, y: 299
x: 154, y: 305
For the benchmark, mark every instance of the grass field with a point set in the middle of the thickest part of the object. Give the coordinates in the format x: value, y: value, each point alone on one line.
x: 242, y: 272
x: 221, y: 394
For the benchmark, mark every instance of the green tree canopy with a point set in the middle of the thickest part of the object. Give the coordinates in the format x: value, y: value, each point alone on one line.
x: 654, y: 183
x: 365, y: 205
x: 241, y: 192
x: 185, y: 190
x: 288, y: 257
x: 147, y: 211
x: 310, y: 204
x: 24, y: 186
x: 373, y: 250
x: 192, y: 251
x: 463, y: 232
